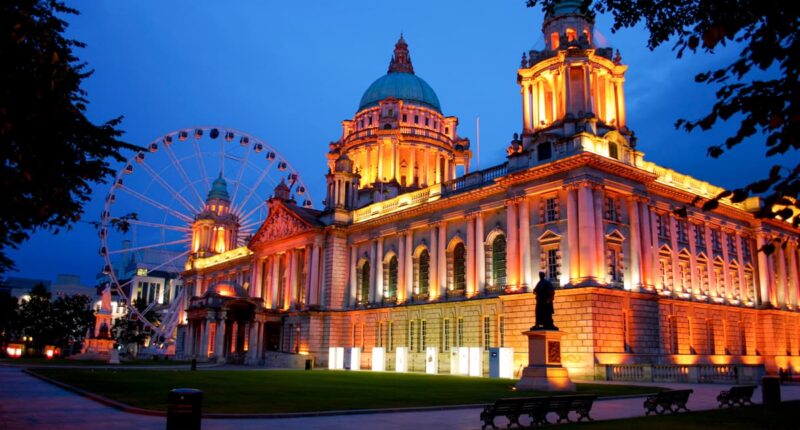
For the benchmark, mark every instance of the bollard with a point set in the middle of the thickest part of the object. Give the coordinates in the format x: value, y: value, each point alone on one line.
x: 184, y: 409
x: 770, y: 390
x: 194, y: 364
x: 309, y: 364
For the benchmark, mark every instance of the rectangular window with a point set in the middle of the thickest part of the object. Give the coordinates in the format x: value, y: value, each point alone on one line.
x: 745, y: 249
x: 552, y: 264
x: 460, y: 332
x: 611, y: 209
x: 390, y: 335
x: 487, y: 333
x: 369, y: 120
x: 379, y: 335
x: 681, y: 228
x: 355, y: 330
x: 730, y: 239
x: 423, y: 335
x: 716, y: 240
x: 405, y: 118
x: 699, y: 237
x: 411, y: 335
x: 435, y: 126
x: 446, y: 335
x: 551, y: 209
x: 426, y: 122
x: 501, y: 330
x: 416, y: 119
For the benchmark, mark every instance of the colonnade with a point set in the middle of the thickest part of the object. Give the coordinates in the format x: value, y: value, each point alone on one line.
x: 216, y: 336
x: 289, y: 279
x: 389, y: 160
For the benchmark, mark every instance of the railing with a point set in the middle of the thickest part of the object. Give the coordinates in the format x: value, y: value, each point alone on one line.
x: 626, y: 372
x: 717, y: 373
x: 402, y: 201
x: 474, y: 179
x: 670, y: 373
x: 412, y: 131
x: 708, y: 373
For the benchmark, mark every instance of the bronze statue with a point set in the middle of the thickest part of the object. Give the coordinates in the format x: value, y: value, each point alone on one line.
x: 545, y: 294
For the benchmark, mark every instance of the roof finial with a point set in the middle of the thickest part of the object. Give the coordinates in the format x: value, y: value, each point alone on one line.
x: 401, y: 60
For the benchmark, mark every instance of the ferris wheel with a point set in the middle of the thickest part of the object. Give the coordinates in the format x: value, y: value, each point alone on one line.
x: 150, y: 207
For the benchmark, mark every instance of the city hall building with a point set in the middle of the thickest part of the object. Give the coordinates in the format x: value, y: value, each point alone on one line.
x: 408, y: 255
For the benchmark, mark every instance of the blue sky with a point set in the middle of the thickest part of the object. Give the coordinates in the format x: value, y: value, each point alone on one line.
x: 289, y: 72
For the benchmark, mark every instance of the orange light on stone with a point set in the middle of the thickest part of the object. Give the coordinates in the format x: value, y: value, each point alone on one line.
x: 14, y: 350
x: 686, y: 360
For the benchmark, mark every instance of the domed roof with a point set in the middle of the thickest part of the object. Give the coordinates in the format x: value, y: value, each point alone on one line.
x: 566, y: 7
x: 400, y: 83
x: 219, y: 189
x: 226, y: 289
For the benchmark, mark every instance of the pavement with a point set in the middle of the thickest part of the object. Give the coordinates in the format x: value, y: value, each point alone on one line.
x: 29, y: 403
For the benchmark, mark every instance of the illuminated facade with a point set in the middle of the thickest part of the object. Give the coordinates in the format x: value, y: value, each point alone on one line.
x: 408, y: 253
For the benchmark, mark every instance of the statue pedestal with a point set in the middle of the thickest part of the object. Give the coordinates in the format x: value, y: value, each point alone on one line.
x: 544, y: 371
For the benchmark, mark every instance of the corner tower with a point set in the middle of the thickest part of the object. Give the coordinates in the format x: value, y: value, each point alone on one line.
x: 572, y: 87
x: 399, y: 140
x: 215, y: 229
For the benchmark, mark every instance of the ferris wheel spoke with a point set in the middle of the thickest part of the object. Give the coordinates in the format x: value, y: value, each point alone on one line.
x: 160, y: 225
x: 255, y: 186
x: 201, y: 163
x: 242, y: 165
x: 154, y: 245
x: 184, y: 176
x: 177, y: 196
x: 158, y: 205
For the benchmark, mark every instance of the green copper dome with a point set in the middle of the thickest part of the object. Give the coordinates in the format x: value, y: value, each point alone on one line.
x: 403, y: 86
x: 219, y: 189
x: 566, y: 7
x: 401, y: 83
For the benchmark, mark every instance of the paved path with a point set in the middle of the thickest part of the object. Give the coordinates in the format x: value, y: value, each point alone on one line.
x: 29, y: 403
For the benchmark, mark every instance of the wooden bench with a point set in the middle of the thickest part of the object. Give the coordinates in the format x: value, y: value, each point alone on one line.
x: 580, y: 404
x: 537, y: 409
x: 509, y: 408
x: 737, y: 395
x: 667, y: 400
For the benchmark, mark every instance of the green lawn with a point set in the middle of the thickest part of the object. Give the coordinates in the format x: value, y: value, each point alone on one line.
x: 301, y: 391
x: 784, y: 416
x: 41, y: 361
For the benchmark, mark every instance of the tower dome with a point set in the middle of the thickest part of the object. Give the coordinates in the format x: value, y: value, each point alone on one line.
x: 219, y: 189
x: 400, y: 83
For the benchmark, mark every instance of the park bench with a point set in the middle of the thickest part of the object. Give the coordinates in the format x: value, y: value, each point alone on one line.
x: 737, y: 395
x: 536, y: 408
x: 667, y: 400
x: 509, y: 408
x: 563, y: 405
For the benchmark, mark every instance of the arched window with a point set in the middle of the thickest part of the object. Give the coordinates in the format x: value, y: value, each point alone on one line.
x: 387, y: 127
x: 499, y: 261
x: 392, y: 275
x: 459, y: 267
x: 363, y: 283
x: 424, y: 271
x: 555, y: 40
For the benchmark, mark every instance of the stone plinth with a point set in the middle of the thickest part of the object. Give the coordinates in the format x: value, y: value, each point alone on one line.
x: 544, y: 371
x: 96, y: 349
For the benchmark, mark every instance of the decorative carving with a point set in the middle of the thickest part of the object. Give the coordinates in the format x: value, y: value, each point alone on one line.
x: 278, y: 225
x: 553, y: 352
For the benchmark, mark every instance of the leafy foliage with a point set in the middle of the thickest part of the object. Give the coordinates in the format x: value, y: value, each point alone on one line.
x: 50, y: 153
x: 61, y: 322
x: 767, y: 110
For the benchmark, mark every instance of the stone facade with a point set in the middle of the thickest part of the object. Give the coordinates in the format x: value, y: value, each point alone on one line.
x: 434, y: 259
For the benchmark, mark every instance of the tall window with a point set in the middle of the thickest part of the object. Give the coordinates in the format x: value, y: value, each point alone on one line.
x: 501, y: 330
x: 499, y: 261
x: 702, y: 275
x: 487, y: 332
x: 614, y: 264
x: 445, y: 335
x: 363, y: 290
x: 551, y: 209
x: 716, y: 240
x: 379, y: 334
x: 392, y: 275
x: 612, y: 212
x: 459, y: 267
x: 682, y: 234
x: 662, y: 222
x: 411, y: 338
x: 545, y: 151
x: 423, y: 334
x: 390, y: 335
x: 424, y: 271
x: 613, y: 150
x: 745, y: 249
x: 553, y: 264
x: 699, y: 237
x: 460, y: 332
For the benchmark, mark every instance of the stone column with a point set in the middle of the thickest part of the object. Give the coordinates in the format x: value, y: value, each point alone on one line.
x: 380, y: 162
x: 793, y: 284
x: 409, y: 265
x: 586, y: 234
x: 740, y: 259
x: 433, y: 270
x: 726, y: 279
x: 526, y: 107
x: 634, y: 246
x: 252, y: 343
x: 427, y: 174
x: 695, y: 290
x: 353, y: 279
x: 401, y: 267
x: 600, y: 241
x: 712, y: 277
x: 412, y: 159
x: 763, y: 271
x: 255, y: 279
x: 395, y: 161
x: 620, y: 101
x: 512, y: 244
x: 480, y: 254
x: 572, y: 235
x: 313, y: 294
x: 219, y: 348
x: 203, y: 353
x: 470, y: 281
x: 291, y: 295
x: 673, y: 237
x: 447, y: 175
x: 373, y: 266
x: 781, y: 283
x: 275, y: 278
x: 189, y: 342
x: 647, y: 245
x: 526, y: 280
x: 378, y: 270
x: 442, y: 257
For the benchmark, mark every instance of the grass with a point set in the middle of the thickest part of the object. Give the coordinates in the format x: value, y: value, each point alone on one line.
x: 41, y: 361
x: 783, y: 416
x: 301, y: 391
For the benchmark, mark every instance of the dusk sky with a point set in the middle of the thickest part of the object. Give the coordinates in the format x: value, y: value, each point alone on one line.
x: 289, y: 72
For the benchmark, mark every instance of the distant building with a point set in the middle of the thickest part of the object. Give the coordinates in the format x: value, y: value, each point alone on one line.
x: 147, y: 275
x: 21, y: 287
x: 69, y: 285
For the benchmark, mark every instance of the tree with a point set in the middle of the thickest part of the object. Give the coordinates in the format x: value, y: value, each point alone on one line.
x: 73, y: 316
x: 8, y: 317
x: 768, y: 110
x: 50, y: 153
x: 35, y: 317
